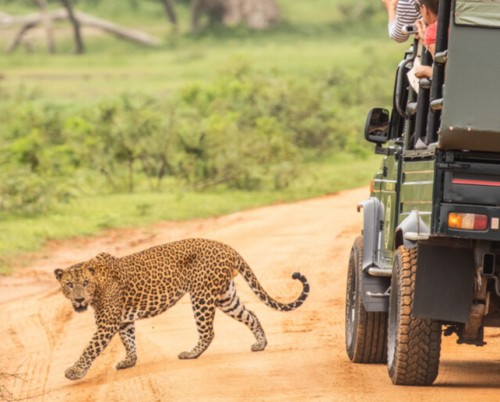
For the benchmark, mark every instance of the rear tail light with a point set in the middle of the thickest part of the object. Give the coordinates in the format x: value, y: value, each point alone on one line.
x: 467, y: 221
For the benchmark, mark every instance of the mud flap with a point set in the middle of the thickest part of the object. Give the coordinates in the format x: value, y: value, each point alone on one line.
x: 374, y: 287
x: 375, y: 298
x: 444, y: 283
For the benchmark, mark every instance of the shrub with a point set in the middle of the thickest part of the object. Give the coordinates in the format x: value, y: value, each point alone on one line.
x: 243, y: 130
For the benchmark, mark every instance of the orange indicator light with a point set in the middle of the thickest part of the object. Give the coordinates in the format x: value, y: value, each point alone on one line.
x: 467, y: 221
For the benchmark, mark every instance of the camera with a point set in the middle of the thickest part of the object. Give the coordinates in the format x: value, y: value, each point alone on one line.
x: 410, y: 28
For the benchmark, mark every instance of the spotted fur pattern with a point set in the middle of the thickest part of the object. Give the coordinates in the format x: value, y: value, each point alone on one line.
x: 145, y: 284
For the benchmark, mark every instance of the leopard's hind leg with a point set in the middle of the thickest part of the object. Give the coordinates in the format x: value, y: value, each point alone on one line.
x: 230, y: 303
x: 127, y: 335
x: 204, y: 313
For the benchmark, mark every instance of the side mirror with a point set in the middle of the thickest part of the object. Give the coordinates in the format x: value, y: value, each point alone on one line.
x: 377, y: 126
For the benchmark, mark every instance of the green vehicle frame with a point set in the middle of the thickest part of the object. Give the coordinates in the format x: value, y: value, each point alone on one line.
x: 427, y: 262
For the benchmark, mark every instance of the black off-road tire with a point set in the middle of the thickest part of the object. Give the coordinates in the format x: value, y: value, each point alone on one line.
x: 365, y: 332
x: 414, y: 344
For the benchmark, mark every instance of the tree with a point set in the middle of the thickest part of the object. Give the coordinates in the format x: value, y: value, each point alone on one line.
x: 170, y: 11
x: 256, y: 14
x: 76, y: 26
x: 47, y: 23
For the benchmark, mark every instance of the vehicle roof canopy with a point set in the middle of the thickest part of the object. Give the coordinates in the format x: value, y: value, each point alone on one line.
x: 471, y: 109
x: 485, y: 13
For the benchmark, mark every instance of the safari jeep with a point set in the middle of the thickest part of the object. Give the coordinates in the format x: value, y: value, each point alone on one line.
x: 427, y: 262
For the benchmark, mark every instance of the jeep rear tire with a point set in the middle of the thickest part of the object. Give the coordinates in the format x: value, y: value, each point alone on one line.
x: 414, y: 344
x: 365, y: 332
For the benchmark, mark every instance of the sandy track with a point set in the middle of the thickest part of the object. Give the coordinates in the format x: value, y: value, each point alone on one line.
x: 305, y: 358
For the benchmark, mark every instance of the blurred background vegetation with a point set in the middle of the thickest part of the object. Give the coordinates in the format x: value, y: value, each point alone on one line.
x: 207, y: 122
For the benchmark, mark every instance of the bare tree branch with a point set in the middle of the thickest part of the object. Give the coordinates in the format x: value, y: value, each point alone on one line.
x: 170, y: 10
x: 120, y: 32
x: 80, y: 48
x: 47, y: 23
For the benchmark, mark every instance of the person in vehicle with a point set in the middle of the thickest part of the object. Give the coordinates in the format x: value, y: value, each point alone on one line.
x: 427, y: 28
x: 401, y: 13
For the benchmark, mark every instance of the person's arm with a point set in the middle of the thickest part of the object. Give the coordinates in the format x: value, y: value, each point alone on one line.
x: 390, y: 6
x: 400, y: 13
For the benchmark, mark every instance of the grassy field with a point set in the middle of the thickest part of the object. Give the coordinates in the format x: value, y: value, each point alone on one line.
x: 313, y: 38
x: 317, y: 38
x: 89, y: 215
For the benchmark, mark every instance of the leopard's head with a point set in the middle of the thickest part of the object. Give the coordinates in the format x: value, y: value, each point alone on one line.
x: 78, y: 284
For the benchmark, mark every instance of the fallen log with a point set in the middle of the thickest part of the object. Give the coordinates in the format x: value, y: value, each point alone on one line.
x: 33, y: 20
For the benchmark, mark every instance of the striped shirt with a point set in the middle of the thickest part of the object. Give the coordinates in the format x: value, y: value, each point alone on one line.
x: 406, y: 13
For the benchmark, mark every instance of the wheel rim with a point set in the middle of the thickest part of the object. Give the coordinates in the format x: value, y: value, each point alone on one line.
x: 351, y: 303
x: 392, y: 324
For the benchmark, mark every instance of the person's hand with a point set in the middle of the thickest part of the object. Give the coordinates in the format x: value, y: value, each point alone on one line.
x: 423, y: 71
x: 421, y: 27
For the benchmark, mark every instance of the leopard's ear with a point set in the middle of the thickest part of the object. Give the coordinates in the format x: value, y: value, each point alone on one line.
x: 58, y: 273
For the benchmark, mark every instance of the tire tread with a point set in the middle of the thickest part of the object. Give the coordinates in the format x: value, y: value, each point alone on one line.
x: 418, y: 340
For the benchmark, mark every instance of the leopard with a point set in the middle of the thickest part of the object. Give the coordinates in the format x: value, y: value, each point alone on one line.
x: 122, y: 290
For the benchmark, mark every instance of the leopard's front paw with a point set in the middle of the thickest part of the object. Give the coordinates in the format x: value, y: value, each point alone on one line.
x: 75, y: 373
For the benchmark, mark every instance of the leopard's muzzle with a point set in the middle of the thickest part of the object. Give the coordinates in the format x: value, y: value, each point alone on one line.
x: 80, y: 305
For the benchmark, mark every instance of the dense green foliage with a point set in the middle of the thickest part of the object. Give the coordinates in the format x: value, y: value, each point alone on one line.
x: 243, y: 131
x: 207, y: 123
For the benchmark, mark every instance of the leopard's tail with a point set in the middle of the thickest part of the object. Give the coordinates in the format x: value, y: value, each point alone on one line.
x: 247, y: 273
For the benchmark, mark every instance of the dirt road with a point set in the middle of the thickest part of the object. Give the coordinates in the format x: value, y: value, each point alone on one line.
x: 305, y: 358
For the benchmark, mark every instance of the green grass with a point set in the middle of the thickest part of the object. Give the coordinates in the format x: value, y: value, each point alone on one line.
x: 161, y: 72
x: 89, y: 215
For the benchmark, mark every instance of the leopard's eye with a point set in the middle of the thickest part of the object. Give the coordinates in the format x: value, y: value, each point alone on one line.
x: 69, y: 285
x: 85, y: 283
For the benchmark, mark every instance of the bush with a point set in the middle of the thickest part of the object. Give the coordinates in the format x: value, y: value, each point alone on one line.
x: 242, y: 131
